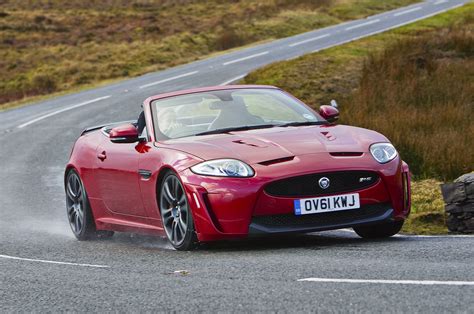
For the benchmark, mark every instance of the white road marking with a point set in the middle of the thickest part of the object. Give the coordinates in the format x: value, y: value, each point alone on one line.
x: 447, y: 236
x: 395, y: 282
x: 407, y: 11
x: 391, y: 27
x: 352, y: 39
x: 434, y: 236
x: 308, y: 40
x: 168, y: 79
x: 417, y: 235
x: 440, y: 2
x: 362, y: 25
x: 51, y: 262
x: 62, y: 110
x: 246, y: 58
x: 233, y: 80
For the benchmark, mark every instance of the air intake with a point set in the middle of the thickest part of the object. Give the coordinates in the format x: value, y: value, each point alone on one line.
x: 276, y: 161
x: 346, y: 154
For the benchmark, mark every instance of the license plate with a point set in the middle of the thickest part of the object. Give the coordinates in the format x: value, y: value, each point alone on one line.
x: 326, y: 204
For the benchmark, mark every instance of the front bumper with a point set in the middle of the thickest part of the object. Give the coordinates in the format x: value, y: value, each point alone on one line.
x: 289, y: 223
x: 236, y: 207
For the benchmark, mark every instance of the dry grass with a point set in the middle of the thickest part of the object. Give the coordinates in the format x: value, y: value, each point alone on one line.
x: 420, y: 93
x: 51, y: 45
x: 415, y: 85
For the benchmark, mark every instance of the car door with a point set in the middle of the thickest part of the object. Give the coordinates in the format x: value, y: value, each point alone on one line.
x: 149, y: 164
x: 118, y: 178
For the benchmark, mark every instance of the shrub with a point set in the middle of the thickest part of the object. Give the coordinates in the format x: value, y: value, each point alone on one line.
x: 43, y: 83
x: 227, y: 39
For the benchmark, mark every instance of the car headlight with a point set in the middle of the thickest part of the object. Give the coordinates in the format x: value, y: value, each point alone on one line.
x: 383, y: 152
x: 223, y: 168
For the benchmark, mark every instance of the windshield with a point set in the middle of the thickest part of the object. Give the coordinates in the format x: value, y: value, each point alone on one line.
x: 222, y: 111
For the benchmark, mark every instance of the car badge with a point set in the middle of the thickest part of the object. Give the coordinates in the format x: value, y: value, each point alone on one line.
x: 324, y: 183
x: 366, y: 179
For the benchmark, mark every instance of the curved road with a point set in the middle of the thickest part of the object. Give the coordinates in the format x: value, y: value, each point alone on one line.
x: 42, y: 267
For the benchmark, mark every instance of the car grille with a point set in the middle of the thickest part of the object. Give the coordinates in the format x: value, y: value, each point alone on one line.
x: 308, y: 185
x: 323, y: 219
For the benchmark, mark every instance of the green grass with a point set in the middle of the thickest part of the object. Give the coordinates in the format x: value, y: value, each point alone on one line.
x: 427, y: 210
x: 413, y: 84
x: 52, y: 46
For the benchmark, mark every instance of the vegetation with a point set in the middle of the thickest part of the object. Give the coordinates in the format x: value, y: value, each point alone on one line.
x: 414, y: 85
x: 48, y: 46
x: 427, y: 209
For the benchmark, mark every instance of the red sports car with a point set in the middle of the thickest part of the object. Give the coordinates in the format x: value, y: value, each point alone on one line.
x: 229, y: 162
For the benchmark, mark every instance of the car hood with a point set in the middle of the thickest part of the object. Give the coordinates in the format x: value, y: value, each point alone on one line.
x: 261, y: 145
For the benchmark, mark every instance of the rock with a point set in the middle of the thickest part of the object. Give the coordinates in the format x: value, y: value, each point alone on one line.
x: 459, y: 199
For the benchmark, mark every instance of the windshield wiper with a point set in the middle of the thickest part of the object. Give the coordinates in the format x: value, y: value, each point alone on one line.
x: 238, y: 128
x: 302, y: 123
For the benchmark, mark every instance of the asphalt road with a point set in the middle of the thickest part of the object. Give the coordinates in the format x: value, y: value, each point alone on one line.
x: 43, y: 268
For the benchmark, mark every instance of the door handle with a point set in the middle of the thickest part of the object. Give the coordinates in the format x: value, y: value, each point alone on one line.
x: 102, y: 156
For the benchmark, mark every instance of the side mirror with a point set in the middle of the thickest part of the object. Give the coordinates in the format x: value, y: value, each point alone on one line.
x: 329, y: 113
x: 126, y: 133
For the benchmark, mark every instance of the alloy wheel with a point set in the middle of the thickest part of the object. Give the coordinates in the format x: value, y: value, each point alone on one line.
x: 174, y: 209
x: 75, y: 203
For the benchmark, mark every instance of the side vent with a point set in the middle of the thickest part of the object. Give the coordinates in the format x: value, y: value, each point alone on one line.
x: 276, y: 161
x: 207, y: 204
x: 406, y: 192
x: 346, y: 154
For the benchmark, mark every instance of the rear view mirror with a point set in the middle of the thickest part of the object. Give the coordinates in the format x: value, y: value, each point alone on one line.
x: 126, y: 133
x: 331, y: 114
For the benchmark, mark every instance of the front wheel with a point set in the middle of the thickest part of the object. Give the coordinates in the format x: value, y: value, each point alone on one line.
x: 383, y: 230
x: 79, y: 212
x: 176, y: 214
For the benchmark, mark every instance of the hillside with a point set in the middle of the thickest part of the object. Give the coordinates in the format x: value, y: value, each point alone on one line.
x: 48, y: 46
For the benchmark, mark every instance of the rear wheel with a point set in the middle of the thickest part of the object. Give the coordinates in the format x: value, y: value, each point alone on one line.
x: 176, y: 214
x: 79, y: 212
x: 383, y: 230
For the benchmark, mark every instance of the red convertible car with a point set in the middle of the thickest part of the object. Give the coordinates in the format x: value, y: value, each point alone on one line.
x: 233, y: 161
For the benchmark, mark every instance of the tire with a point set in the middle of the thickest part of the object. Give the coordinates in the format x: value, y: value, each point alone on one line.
x: 176, y: 214
x: 79, y: 212
x: 379, y: 231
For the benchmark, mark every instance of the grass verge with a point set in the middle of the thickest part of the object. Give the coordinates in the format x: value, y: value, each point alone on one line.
x: 427, y: 210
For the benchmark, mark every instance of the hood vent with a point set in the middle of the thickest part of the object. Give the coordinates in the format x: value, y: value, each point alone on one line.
x: 346, y: 154
x: 328, y: 135
x: 276, y: 161
x: 243, y: 142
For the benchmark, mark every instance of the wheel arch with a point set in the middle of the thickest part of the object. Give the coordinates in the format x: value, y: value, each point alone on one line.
x: 163, y: 171
x: 69, y: 167
x: 159, y: 179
